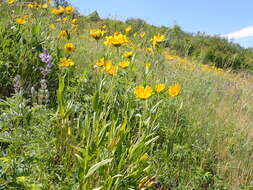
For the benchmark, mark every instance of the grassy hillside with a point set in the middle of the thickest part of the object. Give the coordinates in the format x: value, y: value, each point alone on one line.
x: 83, y: 107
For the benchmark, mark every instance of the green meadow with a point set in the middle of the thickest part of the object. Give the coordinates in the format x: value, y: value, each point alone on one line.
x: 99, y: 104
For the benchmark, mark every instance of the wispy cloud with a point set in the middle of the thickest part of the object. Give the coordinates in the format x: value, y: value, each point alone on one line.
x: 243, y: 33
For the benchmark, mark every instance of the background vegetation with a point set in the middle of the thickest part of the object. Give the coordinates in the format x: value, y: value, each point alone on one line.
x: 81, y: 125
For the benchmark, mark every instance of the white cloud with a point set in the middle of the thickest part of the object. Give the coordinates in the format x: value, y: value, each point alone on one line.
x: 243, y: 33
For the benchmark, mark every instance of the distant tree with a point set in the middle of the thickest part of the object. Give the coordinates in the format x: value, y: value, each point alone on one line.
x: 94, y: 16
x: 57, y: 2
x: 62, y: 2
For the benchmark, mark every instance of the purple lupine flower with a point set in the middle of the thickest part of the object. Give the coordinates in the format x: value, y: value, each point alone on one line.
x: 45, y: 57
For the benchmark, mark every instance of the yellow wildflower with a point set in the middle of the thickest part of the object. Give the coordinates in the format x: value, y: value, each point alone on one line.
x: 144, y: 157
x: 108, y: 65
x: 124, y: 64
x: 52, y: 26
x: 101, y: 62
x: 74, y: 21
x: 64, y: 62
x: 69, y: 47
x: 109, y: 68
x: 116, y: 40
x: 142, y: 92
x: 157, y: 39
x: 174, y: 90
x: 11, y: 1
x: 44, y: 5
x: 159, y: 87
x: 20, y: 21
x: 128, y: 54
x: 147, y: 65
x: 128, y: 29
x: 97, y: 33
x: 49, y: 1
x: 58, y: 11
x: 63, y: 34
x: 112, y: 70
x: 142, y: 34
x: 69, y: 9
x: 65, y: 19
x: 30, y: 5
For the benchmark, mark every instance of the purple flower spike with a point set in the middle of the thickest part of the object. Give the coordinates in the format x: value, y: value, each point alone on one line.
x: 45, y: 57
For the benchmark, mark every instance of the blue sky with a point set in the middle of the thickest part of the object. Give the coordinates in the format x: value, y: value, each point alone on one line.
x: 233, y: 18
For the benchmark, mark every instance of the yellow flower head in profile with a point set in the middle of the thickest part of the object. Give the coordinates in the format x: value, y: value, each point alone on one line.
x: 159, y: 87
x: 157, y: 39
x: 109, y: 68
x: 174, y: 90
x: 11, y: 1
x: 142, y: 92
x: 52, y: 26
x: 30, y: 5
x: 69, y: 47
x: 128, y: 29
x: 147, y: 65
x: 58, y: 11
x: 116, y: 40
x: 65, y: 19
x: 112, y: 70
x: 69, y: 9
x: 74, y: 21
x: 124, y: 64
x: 128, y: 54
x: 20, y: 21
x: 97, y: 33
x: 101, y: 62
x: 64, y: 62
x: 142, y: 34
x: 63, y: 34
x: 144, y: 157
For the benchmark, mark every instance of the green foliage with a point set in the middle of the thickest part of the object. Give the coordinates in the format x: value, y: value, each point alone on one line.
x: 81, y: 127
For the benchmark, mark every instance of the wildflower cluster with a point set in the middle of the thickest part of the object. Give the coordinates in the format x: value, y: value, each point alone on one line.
x: 157, y: 39
x: 145, y: 92
x: 60, y: 10
x: 107, y: 66
x: 116, y: 40
x: 97, y: 33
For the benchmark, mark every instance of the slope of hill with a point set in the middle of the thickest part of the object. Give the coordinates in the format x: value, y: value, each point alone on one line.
x: 90, y: 103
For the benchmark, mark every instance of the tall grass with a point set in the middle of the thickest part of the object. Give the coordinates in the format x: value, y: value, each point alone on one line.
x: 91, y: 131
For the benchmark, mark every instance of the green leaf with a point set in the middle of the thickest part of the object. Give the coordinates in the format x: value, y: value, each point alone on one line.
x: 60, y: 95
x: 151, y: 141
x: 95, y: 102
x: 97, y: 166
x: 36, y: 29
